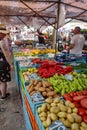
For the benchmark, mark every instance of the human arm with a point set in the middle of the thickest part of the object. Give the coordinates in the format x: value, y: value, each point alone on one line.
x: 6, y: 53
x: 70, y: 47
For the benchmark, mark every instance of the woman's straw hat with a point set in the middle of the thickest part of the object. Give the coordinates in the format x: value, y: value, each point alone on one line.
x: 3, y: 29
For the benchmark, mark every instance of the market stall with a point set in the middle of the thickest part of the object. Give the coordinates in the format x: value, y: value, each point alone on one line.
x: 51, y: 88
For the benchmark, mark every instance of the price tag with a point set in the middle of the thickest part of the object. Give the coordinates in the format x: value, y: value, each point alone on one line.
x: 57, y: 125
x: 69, y: 77
x: 36, y: 97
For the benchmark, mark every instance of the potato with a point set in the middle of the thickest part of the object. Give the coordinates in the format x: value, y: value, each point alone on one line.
x: 44, y: 107
x: 30, y: 89
x: 62, y: 107
x: 36, y: 88
x: 67, y: 103
x: 41, y: 89
x: 55, y: 96
x: 67, y: 123
x: 70, y: 118
x: 47, y: 90
x: 53, y: 116
x: 51, y: 88
x: 39, y: 110
x: 56, y: 100
x: 78, y: 119
x: 62, y: 119
x: 71, y: 105
x: 48, y: 107
x: 44, y: 124
x: 43, y: 114
x: 74, y: 126
x: 32, y: 93
x: 44, y: 94
x: 69, y: 110
x: 48, y: 121
x: 54, y: 109
x: 83, y: 124
x: 43, y: 118
x: 82, y: 128
x: 53, y: 104
x: 49, y: 100
x: 75, y: 110
x: 35, y: 82
x: 51, y: 93
x: 62, y: 114
x: 26, y: 77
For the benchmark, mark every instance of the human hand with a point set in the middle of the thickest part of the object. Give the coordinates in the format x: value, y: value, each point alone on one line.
x: 12, y: 67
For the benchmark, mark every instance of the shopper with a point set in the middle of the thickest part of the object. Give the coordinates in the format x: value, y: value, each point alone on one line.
x: 77, y: 42
x: 5, y: 64
x: 40, y: 37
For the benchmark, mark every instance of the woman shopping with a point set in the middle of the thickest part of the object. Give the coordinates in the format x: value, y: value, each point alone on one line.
x: 5, y: 63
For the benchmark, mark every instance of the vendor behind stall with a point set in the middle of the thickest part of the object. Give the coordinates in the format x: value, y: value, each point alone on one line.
x: 40, y: 37
x: 77, y: 42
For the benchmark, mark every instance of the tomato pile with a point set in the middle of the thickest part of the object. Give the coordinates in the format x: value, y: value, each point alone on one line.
x: 80, y: 101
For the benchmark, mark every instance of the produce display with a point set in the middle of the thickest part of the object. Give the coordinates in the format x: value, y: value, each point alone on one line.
x: 42, y: 86
x: 68, y: 83
x: 42, y: 51
x: 52, y: 79
x: 30, y: 74
x: 66, y: 112
x: 79, y: 99
x: 49, y: 68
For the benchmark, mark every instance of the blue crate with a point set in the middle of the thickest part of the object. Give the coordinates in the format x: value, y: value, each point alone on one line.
x: 41, y: 127
x: 32, y: 104
x: 26, y: 117
x: 51, y: 127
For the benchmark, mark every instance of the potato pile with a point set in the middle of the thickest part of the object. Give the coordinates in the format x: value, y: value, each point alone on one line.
x: 44, y: 87
x: 55, y: 109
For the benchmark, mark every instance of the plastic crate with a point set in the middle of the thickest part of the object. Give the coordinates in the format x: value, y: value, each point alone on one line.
x: 32, y: 104
x: 53, y: 126
x: 22, y: 79
x: 30, y: 114
x: 26, y: 117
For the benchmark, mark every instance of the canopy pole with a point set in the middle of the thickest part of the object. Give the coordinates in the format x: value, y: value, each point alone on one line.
x: 24, y: 23
x: 57, y: 25
x: 37, y: 13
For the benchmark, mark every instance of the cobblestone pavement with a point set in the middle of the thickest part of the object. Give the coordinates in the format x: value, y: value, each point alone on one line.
x: 11, y: 112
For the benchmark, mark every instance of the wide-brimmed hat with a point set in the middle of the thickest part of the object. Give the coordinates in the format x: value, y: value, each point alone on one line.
x: 3, y: 29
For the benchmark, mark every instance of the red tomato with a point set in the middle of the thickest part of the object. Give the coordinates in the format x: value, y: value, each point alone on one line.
x: 83, y: 103
x: 78, y: 98
x: 76, y: 104
x: 66, y: 95
x: 79, y: 93
x: 81, y: 111
x: 85, y: 119
x: 72, y: 94
x: 69, y: 98
x: 84, y: 92
x: 86, y: 111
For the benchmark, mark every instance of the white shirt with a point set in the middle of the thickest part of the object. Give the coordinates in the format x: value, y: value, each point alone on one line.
x: 78, y: 40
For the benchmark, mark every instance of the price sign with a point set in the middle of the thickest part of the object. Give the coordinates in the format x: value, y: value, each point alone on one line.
x: 57, y: 125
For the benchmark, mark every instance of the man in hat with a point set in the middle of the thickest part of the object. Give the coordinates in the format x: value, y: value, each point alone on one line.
x: 5, y: 63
